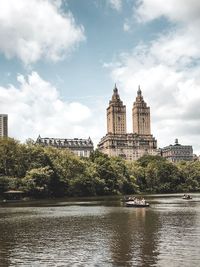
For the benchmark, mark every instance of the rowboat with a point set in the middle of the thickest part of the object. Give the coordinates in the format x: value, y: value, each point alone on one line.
x: 137, y: 204
x: 186, y: 197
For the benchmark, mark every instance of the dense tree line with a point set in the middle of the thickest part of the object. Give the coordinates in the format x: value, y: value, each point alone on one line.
x: 51, y: 172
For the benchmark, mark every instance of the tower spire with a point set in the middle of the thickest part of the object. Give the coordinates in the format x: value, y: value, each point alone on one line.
x: 115, y: 90
x: 139, y: 92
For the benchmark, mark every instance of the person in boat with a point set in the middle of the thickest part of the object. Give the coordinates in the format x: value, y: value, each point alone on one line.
x: 186, y: 196
x: 130, y: 199
x: 136, y: 200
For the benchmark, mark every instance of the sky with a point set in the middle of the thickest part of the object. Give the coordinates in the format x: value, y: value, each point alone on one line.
x: 60, y: 60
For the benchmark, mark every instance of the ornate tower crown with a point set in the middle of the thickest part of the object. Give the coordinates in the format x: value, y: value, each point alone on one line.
x: 115, y: 96
x: 139, y: 97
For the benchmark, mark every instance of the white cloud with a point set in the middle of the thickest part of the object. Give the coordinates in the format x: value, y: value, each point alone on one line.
x: 175, y: 11
x: 35, y: 29
x: 180, y: 45
x: 126, y: 26
x: 116, y: 4
x: 35, y: 107
x: 168, y: 71
x: 173, y: 96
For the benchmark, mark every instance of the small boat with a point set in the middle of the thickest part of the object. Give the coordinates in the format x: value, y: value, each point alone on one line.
x: 137, y: 204
x: 186, y: 197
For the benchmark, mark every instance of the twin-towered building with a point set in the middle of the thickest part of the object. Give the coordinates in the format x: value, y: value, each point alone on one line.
x: 117, y: 141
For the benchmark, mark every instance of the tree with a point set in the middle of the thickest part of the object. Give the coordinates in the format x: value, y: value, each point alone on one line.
x: 146, y: 159
x: 8, y: 156
x: 4, y: 184
x: 37, y: 182
x: 137, y: 175
x: 190, y: 176
x: 162, y: 176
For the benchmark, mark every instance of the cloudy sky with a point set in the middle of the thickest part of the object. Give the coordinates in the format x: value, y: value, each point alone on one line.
x: 60, y: 59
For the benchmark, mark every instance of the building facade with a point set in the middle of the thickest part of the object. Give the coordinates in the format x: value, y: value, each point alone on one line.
x: 117, y: 142
x: 80, y: 147
x: 141, y: 116
x: 3, y: 125
x: 177, y: 152
x: 116, y: 115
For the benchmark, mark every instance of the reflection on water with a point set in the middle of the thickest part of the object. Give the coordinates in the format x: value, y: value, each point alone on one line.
x: 101, y: 233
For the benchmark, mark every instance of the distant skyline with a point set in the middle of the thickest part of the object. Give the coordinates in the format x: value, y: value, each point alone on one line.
x: 60, y: 60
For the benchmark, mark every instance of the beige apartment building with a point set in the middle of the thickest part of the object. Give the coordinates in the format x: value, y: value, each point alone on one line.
x: 3, y: 125
x: 117, y: 142
x: 80, y: 147
x: 177, y: 152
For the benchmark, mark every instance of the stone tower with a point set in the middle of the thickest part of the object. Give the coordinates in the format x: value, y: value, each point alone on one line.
x: 141, y: 115
x: 116, y: 115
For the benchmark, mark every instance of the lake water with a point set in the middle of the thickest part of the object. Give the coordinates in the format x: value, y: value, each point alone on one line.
x: 101, y: 233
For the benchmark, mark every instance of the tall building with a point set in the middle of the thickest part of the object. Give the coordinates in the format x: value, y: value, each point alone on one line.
x: 80, y: 147
x: 117, y: 142
x: 3, y: 125
x: 141, y: 115
x: 116, y: 115
x: 177, y: 152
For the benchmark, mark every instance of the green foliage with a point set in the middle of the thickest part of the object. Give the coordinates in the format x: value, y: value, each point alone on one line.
x: 38, y: 181
x: 4, y: 184
x: 113, y: 175
x: 190, y: 176
x: 156, y: 175
x: 162, y: 176
x: 46, y: 171
x: 145, y: 160
x: 137, y: 173
x: 9, y: 155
